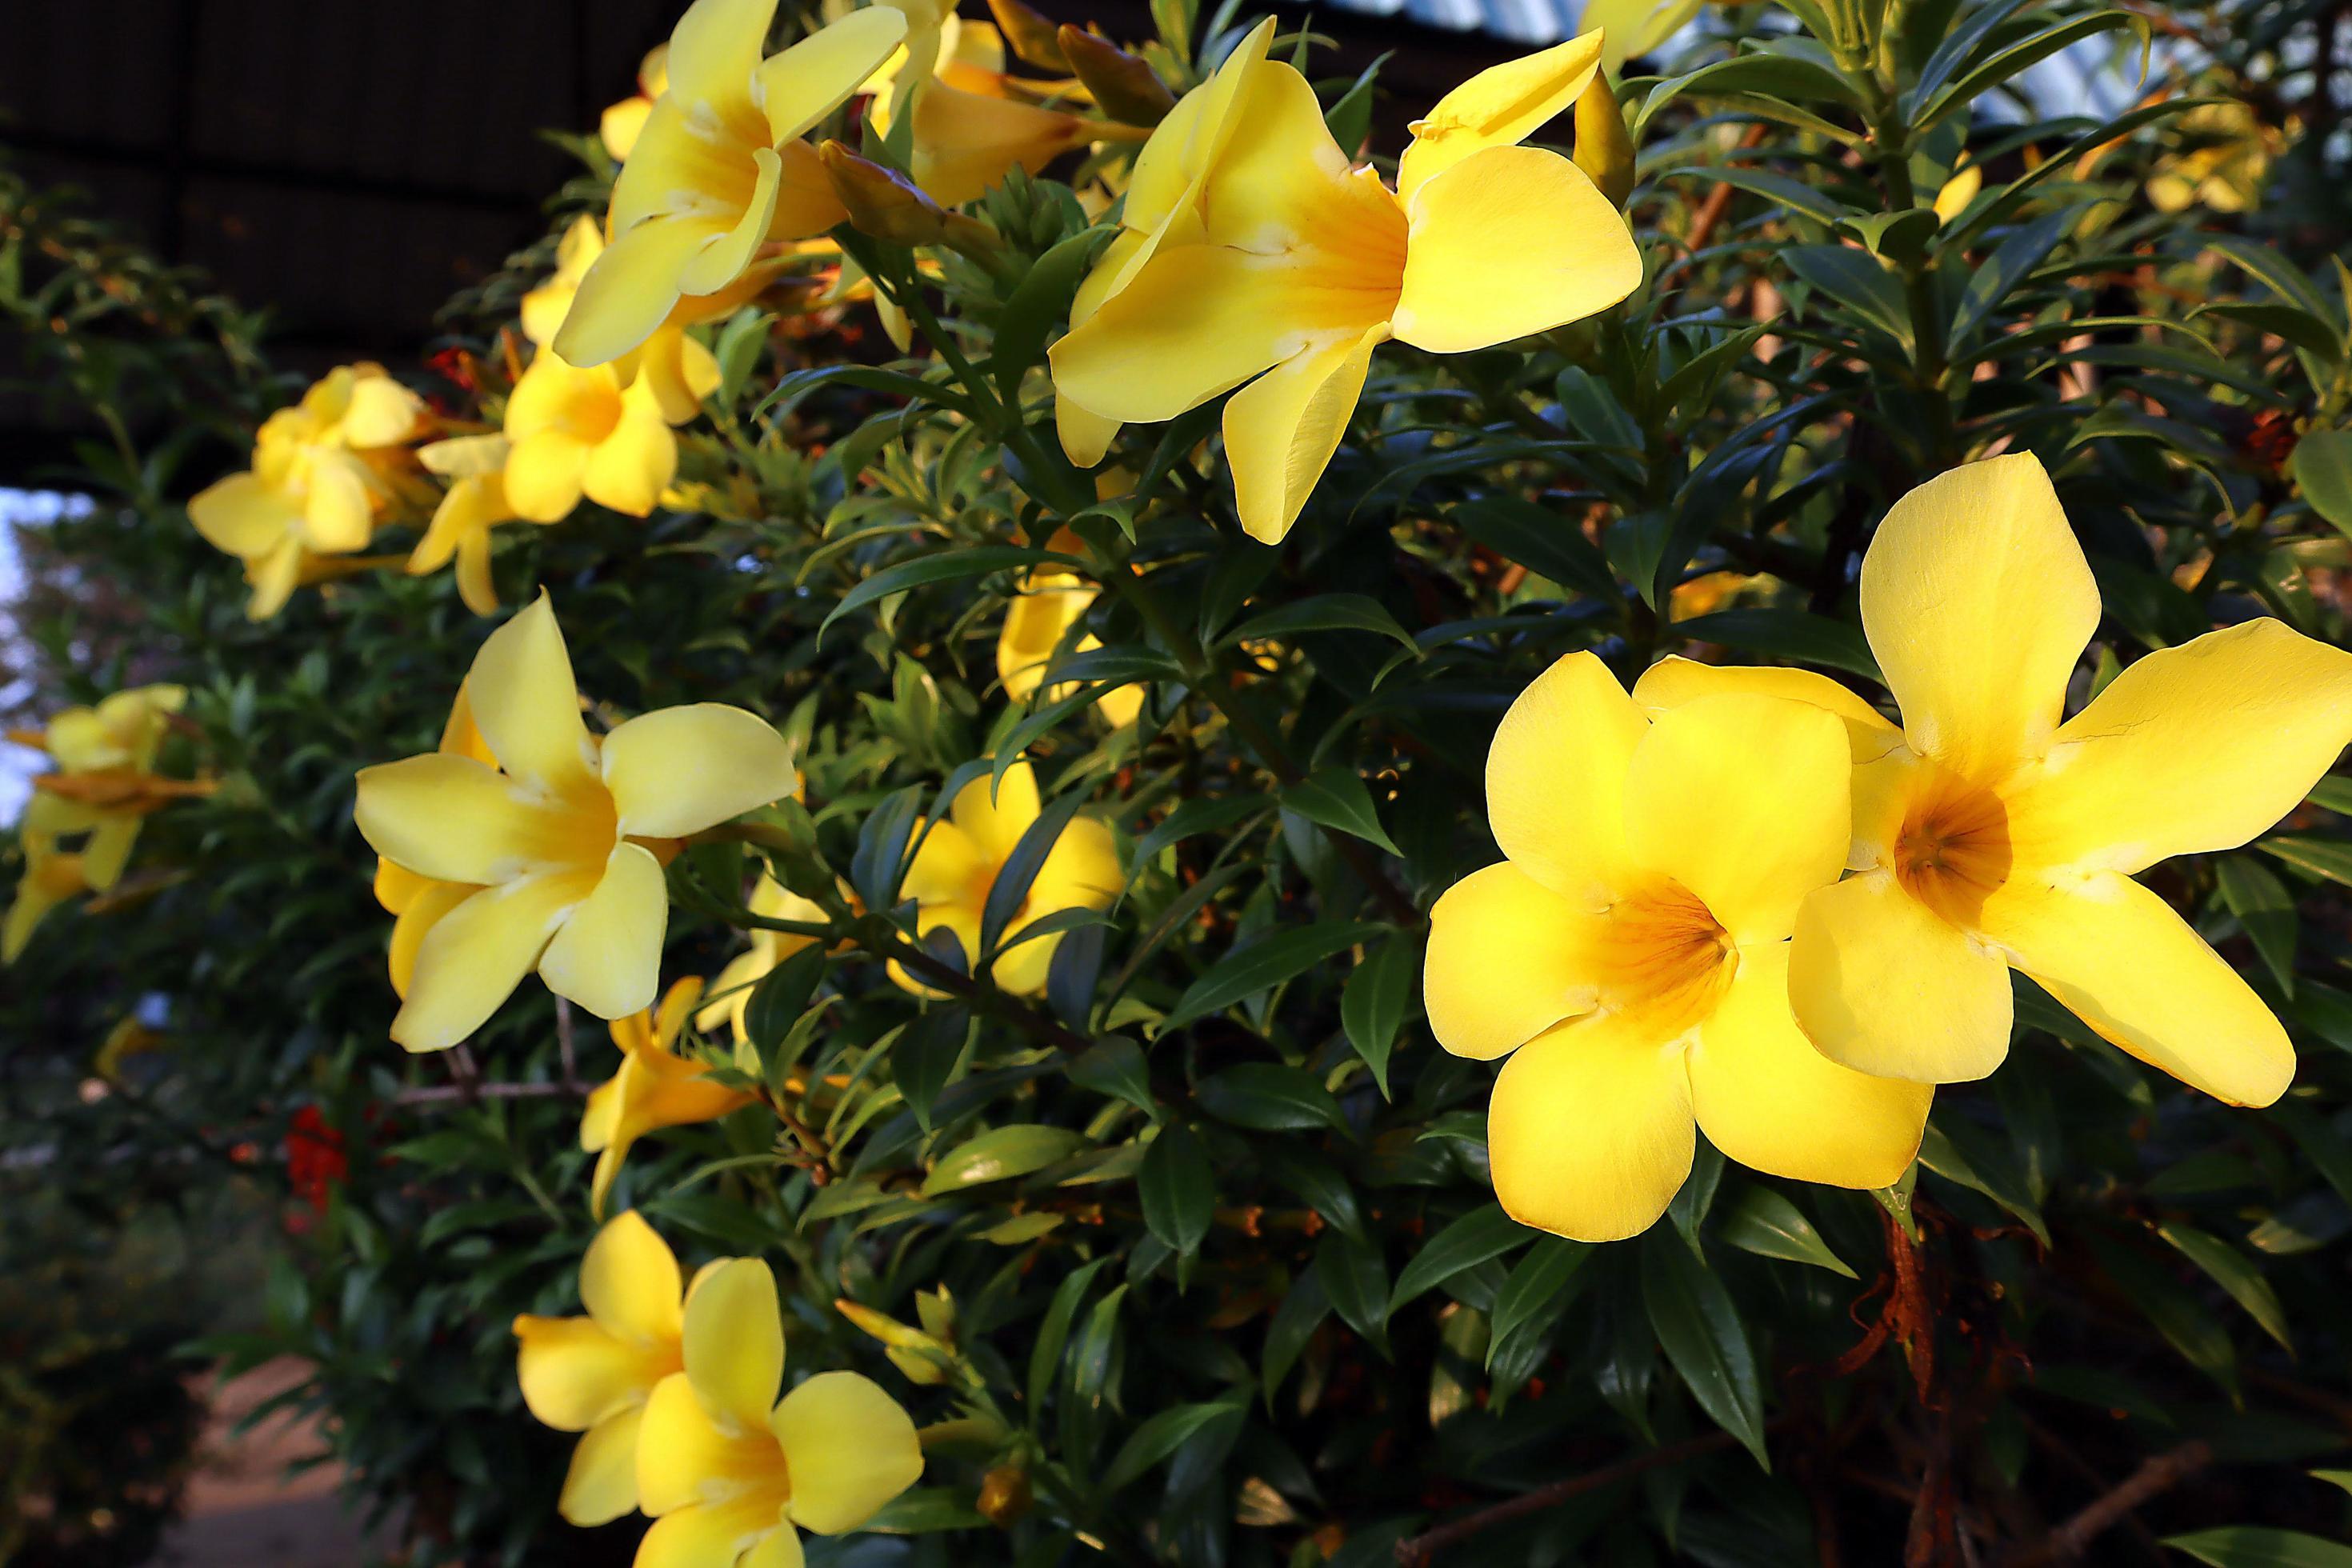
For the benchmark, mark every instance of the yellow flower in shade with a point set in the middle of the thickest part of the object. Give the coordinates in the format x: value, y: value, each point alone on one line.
x: 1303, y: 265
x: 475, y: 503
x: 721, y: 169
x: 2226, y: 164
x: 416, y: 902
x: 728, y: 1471
x: 618, y: 126
x: 656, y: 1088
x: 314, y: 485
x: 1991, y: 836
x: 53, y: 874
x: 564, y: 839
x: 1631, y: 953
x: 574, y: 433
x: 593, y: 1374
x: 731, y: 990
x: 1049, y: 604
x: 682, y: 371
x: 960, y: 858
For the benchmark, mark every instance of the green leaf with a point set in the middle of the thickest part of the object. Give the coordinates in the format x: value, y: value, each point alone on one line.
x: 1794, y: 195
x: 1204, y: 814
x: 1357, y: 1281
x: 1546, y: 543
x: 1856, y: 280
x: 1321, y: 613
x: 1349, y: 118
x: 1535, y: 1286
x: 926, y: 1509
x: 780, y: 998
x: 1699, y: 1328
x: 1335, y: 797
x: 1372, y: 1006
x: 1270, y: 1097
x: 738, y: 352
x: 2323, y: 471
x: 2258, y: 1546
x: 2300, y: 328
x: 1763, y: 1222
x: 1054, y: 1334
x: 1001, y: 1154
x: 2235, y: 1273
x: 1116, y: 1068
x: 1304, y: 1306
x: 1483, y: 1233
x: 1159, y: 1437
x: 1042, y: 300
x: 1990, y: 281
x: 1264, y: 963
x: 2005, y: 63
x: 924, y: 1057
x: 2328, y: 857
x: 1797, y: 634
x: 1179, y: 1188
x: 2159, y: 1298
x: 1958, y: 1151
x: 1009, y: 891
x: 943, y: 566
x: 2265, y: 909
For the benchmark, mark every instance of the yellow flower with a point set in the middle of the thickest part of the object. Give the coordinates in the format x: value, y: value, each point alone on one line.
x: 1303, y: 265
x: 2225, y: 170
x: 656, y: 1088
x: 578, y: 431
x: 682, y: 371
x: 1050, y: 604
x: 1631, y: 950
x: 732, y: 988
x: 620, y: 124
x: 475, y: 503
x: 52, y: 873
x: 960, y: 858
x: 728, y: 1470
x: 721, y: 169
x: 414, y: 902
x: 1991, y: 836
x: 564, y: 839
x: 312, y: 490
x: 593, y: 1374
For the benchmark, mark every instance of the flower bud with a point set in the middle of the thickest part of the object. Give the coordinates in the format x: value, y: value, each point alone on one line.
x: 881, y: 201
x: 1030, y: 34
x: 1603, y: 149
x: 1004, y: 1495
x: 1124, y: 87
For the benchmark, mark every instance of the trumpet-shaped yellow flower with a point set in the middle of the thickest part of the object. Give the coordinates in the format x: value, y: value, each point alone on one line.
x: 563, y: 840
x: 656, y: 1088
x: 961, y: 857
x: 416, y: 902
x: 575, y: 433
x: 1049, y: 604
x: 1988, y: 835
x: 682, y: 371
x: 312, y: 489
x: 593, y: 1374
x: 728, y: 1471
x: 619, y: 125
x: 53, y: 874
x: 1632, y: 953
x: 731, y: 990
x: 720, y: 168
x: 475, y: 503
x: 1303, y: 265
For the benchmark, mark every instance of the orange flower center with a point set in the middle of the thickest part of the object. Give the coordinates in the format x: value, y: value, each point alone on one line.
x: 1665, y: 957
x: 1953, y: 850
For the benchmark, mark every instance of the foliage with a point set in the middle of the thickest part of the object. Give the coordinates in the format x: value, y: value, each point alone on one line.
x: 1228, y: 1282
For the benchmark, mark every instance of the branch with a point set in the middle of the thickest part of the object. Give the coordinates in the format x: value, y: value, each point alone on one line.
x: 2069, y: 1541
x: 465, y: 1093
x: 1419, y: 1551
x: 956, y: 983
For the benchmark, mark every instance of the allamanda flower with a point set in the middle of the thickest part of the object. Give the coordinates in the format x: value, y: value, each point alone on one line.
x: 315, y: 483
x: 1049, y: 604
x: 1303, y: 265
x: 731, y: 988
x: 417, y: 903
x: 53, y: 874
x: 655, y: 1087
x: 1991, y: 836
x: 621, y: 122
x: 961, y: 857
x: 573, y: 433
x: 593, y: 1374
x: 682, y: 371
x: 728, y: 1470
x: 564, y: 839
x: 719, y: 169
x: 1632, y: 953
x: 475, y: 503
x: 105, y: 784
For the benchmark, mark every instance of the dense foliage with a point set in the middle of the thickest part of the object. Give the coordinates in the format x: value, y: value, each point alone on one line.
x: 1191, y: 1255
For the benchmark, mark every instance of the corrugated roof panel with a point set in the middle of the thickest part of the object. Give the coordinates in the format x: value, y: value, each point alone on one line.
x: 1520, y: 21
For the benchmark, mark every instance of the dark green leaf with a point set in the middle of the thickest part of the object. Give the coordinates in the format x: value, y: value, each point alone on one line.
x: 1179, y: 1188
x: 1484, y: 1232
x: 1763, y: 1222
x: 1372, y: 1006
x: 1700, y: 1330
x: 1264, y: 963
x: 1270, y: 1097
x: 1001, y: 1154
x: 1335, y: 797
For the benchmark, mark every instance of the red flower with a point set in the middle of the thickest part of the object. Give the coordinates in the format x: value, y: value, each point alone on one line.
x: 315, y: 1161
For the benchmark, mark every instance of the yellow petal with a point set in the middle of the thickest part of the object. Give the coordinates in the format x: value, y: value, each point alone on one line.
x: 1499, y: 106
x: 1765, y: 1098
x: 735, y: 1343
x: 1590, y: 1130
x: 451, y: 819
x: 1508, y: 958
x: 1081, y: 871
x: 2124, y: 963
x: 1200, y: 321
x: 607, y: 955
x: 339, y: 514
x: 1743, y: 800
x: 804, y: 83
x: 677, y: 771
x: 1085, y: 436
x: 602, y: 1483
x: 1280, y: 181
x: 1556, y: 779
x: 526, y: 704
x: 574, y: 1374
x: 381, y: 412
x: 630, y: 1284
x: 1674, y: 680
x: 779, y: 1547
x: 1978, y: 600
x: 947, y: 867
x: 396, y: 886
x: 682, y: 1455
x: 107, y: 850
x: 421, y: 915
x: 715, y: 1535
x: 546, y: 475
x: 243, y: 516
x: 1885, y: 985
x: 994, y: 812
x: 2193, y: 748
x: 724, y: 259
x: 1282, y: 428
x: 633, y: 286
x: 474, y: 588
x: 714, y: 50
x: 1035, y: 624
x: 1510, y: 241
x: 630, y: 468
x: 965, y: 143
x: 476, y: 955
x: 275, y: 576
x: 851, y: 1447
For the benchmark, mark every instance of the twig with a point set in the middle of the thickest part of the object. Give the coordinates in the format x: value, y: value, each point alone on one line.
x: 563, y: 1044
x: 1419, y: 1551
x: 471, y: 1090
x: 2069, y: 1541
x: 955, y: 981
x: 1718, y: 200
